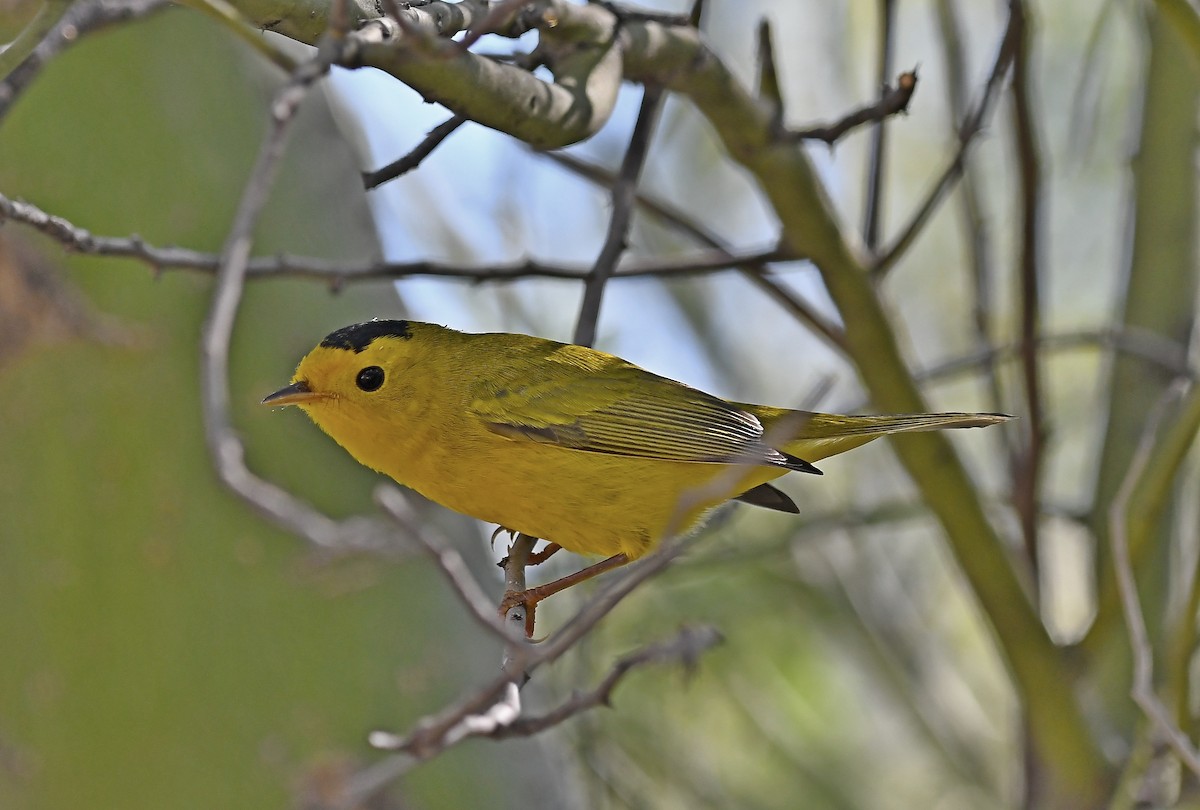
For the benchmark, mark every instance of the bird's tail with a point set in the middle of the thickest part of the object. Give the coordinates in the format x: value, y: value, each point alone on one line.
x: 815, y: 436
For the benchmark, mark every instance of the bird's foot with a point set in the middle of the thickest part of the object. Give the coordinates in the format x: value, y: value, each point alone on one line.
x: 499, y: 531
x: 524, y: 601
x: 534, y: 559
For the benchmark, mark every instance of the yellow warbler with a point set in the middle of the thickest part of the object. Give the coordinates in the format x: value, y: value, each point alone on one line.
x: 561, y: 442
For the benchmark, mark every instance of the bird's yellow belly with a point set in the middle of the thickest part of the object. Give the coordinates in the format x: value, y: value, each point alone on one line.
x: 588, y: 503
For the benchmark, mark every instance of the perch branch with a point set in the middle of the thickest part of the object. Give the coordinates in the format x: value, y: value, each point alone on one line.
x: 448, y: 561
x: 496, y: 716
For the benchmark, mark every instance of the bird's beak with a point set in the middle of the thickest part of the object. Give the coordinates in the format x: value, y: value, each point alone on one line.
x: 298, y: 393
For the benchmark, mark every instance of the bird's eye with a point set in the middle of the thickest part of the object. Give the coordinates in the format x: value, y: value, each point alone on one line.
x: 370, y: 378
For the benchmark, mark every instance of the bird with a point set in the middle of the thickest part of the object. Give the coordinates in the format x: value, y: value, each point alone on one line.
x: 562, y: 442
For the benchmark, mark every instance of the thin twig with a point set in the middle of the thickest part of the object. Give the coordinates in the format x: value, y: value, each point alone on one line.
x: 873, y: 212
x: 1027, y: 463
x: 1145, y: 345
x: 338, y: 274
x: 448, y: 561
x: 971, y: 127
x: 893, y: 101
x: 496, y: 715
x: 769, y: 88
x: 515, y: 565
x: 1139, y: 639
x: 975, y: 228
x: 226, y: 449
x: 624, y: 193
x: 481, y: 711
x: 41, y: 26
x: 685, y: 647
x: 756, y: 272
x: 413, y: 159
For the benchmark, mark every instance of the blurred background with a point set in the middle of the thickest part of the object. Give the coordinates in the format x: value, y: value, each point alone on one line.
x: 161, y: 646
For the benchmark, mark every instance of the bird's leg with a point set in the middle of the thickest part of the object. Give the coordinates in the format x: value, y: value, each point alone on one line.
x: 531, y: 596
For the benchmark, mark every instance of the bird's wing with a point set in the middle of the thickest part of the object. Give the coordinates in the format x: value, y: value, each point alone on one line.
x: 624, y: 410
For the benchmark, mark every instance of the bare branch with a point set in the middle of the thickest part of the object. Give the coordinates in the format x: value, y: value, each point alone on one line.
x: 873, y: 208
x: 769, y: 88
x: 505, y: 97
x: 413, y: 159
x: 1148, y: 346
x: 1027, y: 461
x: 685, y: 648
x: 81, y: 19
x: 1139, y: 639
x: 971, y: 127
x: 498, y: 715
x: 624, y: 191
x: 44, y: 21
x: 893, y: 101
x: 975, y: 227
x: 448, y: 561
x: 756, y: 272
x: 627, y: 13
x: 497, y: 15
x: 338, y: 274
x: 226, y: 449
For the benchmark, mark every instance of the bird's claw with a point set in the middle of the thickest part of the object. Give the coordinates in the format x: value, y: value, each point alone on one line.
x: 500, y: 530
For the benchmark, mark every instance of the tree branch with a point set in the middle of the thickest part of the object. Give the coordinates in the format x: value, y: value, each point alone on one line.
x: 624, y: 192
x: 873, y: 213
x: 1141, y: 493
x: 757, y: 273
x: 81, y: 19
x: 810, y: 227
x: 38, y: 29
x: 1029, y: 455
x: 684, y: 648
x: 971, y: 127
x: 893, y: 101
x: 270, y: 501
x: 449, y: 562
x: 413, y: 159
x: 338, y: 274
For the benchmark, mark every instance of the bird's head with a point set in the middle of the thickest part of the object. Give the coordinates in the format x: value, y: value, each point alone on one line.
x: 355, y: 371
